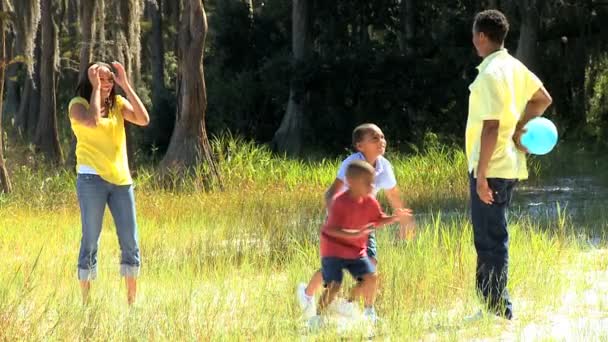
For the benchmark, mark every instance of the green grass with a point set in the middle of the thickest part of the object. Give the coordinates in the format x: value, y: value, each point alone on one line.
x: 223, y: 265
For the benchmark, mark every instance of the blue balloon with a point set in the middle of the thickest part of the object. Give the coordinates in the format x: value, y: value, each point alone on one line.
x: 540, y: 136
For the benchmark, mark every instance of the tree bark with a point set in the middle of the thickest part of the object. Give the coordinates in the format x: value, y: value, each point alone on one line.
x: 47, y: 136
x: 408, y: 25
x: 189, y: 146
x: 29, y: 108
x: 72, y: 16
x: 163, y: 118
x: 157, y: 51
x: 5, y: 183
x: 288, y: 138
x: 26, y: 24
x: 529, y: 30
x: 86, y: 14
x: 100, y: 50
x: 12, y: 84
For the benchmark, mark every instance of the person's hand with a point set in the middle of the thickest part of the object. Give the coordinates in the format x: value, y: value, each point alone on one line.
x: 407, y: 229
x: 517, y: 139
x: 121, y: 75
x: 403, y: 212
x: 93, y: 73
x: 483, y: 191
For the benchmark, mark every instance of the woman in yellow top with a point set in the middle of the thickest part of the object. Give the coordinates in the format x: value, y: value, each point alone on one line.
x: 97, y: 115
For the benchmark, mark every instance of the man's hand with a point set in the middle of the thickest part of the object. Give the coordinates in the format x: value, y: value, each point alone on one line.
x: 407, y: 229
x: 483, y: 191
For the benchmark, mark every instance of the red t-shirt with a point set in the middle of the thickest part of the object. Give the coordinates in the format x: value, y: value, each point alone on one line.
x: 348, y: 213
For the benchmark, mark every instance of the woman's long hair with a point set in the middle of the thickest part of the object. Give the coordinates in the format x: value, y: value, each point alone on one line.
x: 85, y: 88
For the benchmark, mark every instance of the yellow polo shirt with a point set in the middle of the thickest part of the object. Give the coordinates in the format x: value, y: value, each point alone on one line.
x: 500, y: 92
x: 104, y: 147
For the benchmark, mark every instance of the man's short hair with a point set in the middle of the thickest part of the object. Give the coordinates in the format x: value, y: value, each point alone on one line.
x: 361, y: 131
x: 358, y: 168
x: 493, y: 24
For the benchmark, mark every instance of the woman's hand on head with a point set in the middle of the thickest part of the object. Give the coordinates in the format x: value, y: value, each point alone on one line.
x: 93, y: 73
x: 121, y: 75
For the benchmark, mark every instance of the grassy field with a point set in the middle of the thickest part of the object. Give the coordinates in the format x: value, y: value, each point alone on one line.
x: 223, y: 265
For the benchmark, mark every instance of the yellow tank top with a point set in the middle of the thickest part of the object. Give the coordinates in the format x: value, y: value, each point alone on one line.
x: 104, y: 147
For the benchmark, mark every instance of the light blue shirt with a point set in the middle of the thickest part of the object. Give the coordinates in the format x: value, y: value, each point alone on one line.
x: 385, y: 177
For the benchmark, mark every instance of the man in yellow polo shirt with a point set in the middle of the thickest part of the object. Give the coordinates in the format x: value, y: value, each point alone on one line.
x: 504, y: 97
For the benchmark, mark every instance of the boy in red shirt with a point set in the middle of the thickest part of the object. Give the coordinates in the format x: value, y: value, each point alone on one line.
x: 353, y: 214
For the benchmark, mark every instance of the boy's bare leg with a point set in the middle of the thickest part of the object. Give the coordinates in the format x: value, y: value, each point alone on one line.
x: 131, y: 289
x: 314, y: 284
x: 328, y: 296
x: 85, y: 287
x: 369, y: 286
x: 366, y: 289
x: 358, y: 291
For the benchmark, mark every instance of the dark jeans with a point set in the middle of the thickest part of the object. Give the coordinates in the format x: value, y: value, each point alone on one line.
x: 492, y: 244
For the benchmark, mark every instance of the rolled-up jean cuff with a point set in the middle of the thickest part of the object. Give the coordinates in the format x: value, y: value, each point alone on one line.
x: 129, y: 271
x: 87, y: 274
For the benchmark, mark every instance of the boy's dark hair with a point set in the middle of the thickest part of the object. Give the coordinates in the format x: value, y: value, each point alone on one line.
x: 361, y: 131
x: 493, y: 24
x: 358, y: 168
x: 85, y: 88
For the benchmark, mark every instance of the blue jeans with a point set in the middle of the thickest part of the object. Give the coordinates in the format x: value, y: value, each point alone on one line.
x: 492, y: 244
x: 93, y: 195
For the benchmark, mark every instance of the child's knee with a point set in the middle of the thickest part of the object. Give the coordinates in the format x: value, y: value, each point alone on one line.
x: 370, y: 278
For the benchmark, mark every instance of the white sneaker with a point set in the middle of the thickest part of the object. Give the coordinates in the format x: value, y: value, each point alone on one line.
x: 478, y: 316
x: 315, y: 323
x: 347, y: 309
x: 370, y: 315
x: 307, y: 303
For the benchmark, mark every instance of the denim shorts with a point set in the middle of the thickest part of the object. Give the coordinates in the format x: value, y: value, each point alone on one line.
x: 332, y: 268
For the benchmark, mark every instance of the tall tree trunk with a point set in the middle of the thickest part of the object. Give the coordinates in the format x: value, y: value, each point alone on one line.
x: 101, y: 43
x: 288, y: 138
x: 29, y: 108
x: 47, y: 136
x: 157, y: 51
x: 127, y: 51
x: 12, y: 84
x: 86, y: 13
x: 529, y: 30
x: 132, y: 12
x: 163, y: 118
x: 26, y: 24
x: 407, y: 16
x: 189, y: 144
x: 72, y: 17
x: 5, y: 183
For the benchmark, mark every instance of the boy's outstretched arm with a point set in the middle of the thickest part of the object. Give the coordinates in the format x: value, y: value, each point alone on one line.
x: 400, y: 214
x: 342, y: 233
x: 407, y: 228
x: 332, y: 190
